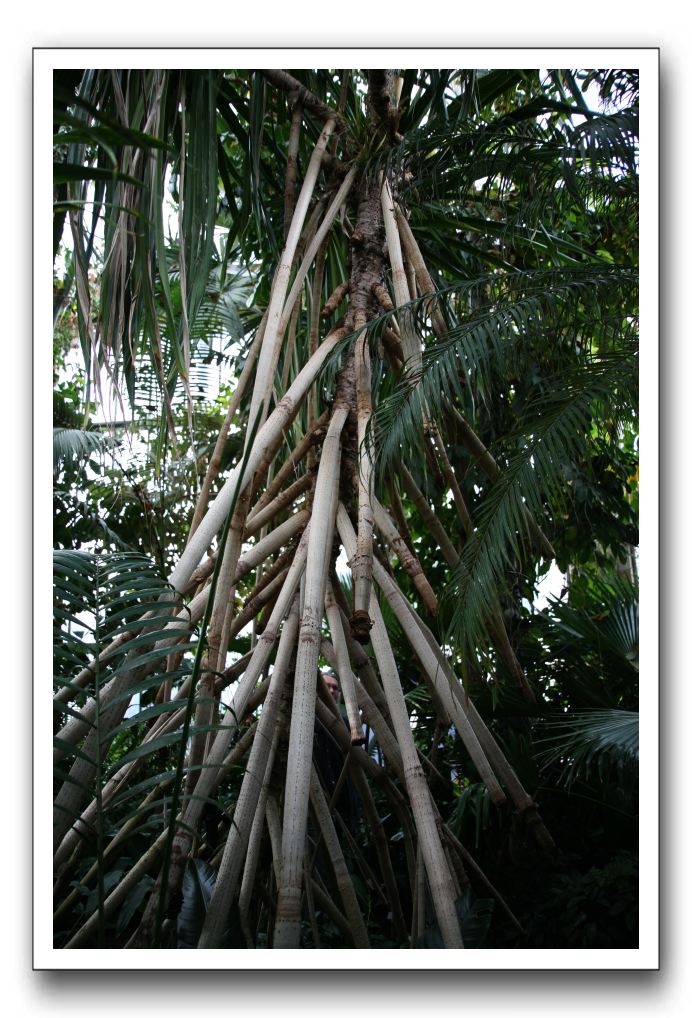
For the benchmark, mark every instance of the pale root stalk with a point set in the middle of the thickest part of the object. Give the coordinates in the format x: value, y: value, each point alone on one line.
x: 519, y: 796
x: 361, y: 566
x: 259, y: 600
x: 260, y: 658
x: 226, y: 638
x: 409, y: 340
x: 264, y: 379
x: 383, y: 733
x: 346, y: 677
x: 386, y: 741
x: 359, y: 859
x: 398, y: 514
x: 324, y: 902
x: 329, y: 717
x: 497, y: 625
x: 437, y: 680
x: 328, y: 652
x: 261, y: 455
x: 450, y: 553
x: 408, y: 560
x: 312, y: 436
x: 427, y: 286
x: 310, y: 902
x: 287, y: 929
x: 376, y: 720
x: 498, y: 634
x: 290, y: 345
x: 410, y: 279
x: 291, y: 320
x: 246, y: 804
x: 222, y: 613
x: 314, y: 246
x: 250, y: 869
x: 456, y: 867
x: 330, y: 839
x: 250, y: 559
x: 217, y: 455
x: 282, y: 501
x: 423, y: 277
x: 362, y: 667
x: 212, y: 771
x: 441, y: 884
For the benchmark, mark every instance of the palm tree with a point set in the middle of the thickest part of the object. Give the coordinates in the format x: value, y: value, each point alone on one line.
x: 441, y: 327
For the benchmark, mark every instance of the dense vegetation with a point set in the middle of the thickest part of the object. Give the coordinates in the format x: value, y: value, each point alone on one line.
x: 345, y: 363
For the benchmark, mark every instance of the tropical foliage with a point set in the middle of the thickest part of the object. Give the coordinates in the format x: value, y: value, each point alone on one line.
x: 345, y: 362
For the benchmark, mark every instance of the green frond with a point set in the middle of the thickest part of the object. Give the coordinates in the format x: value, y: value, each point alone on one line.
x: 555, y: 429
x: 70, y: 445
x: 532, y: 162
x: 608, y: 621
x: 499, y: 321
x: 100, y: 598
x: 589, y: 738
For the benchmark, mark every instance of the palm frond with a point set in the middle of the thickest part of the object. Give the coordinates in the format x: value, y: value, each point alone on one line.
x: 538, y: 140
x: 500, y: 320
x: 555, y: 430
x: 72, y: 445
x: 584, y: 739
x: 100, y: 598
x: 607, y: 623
